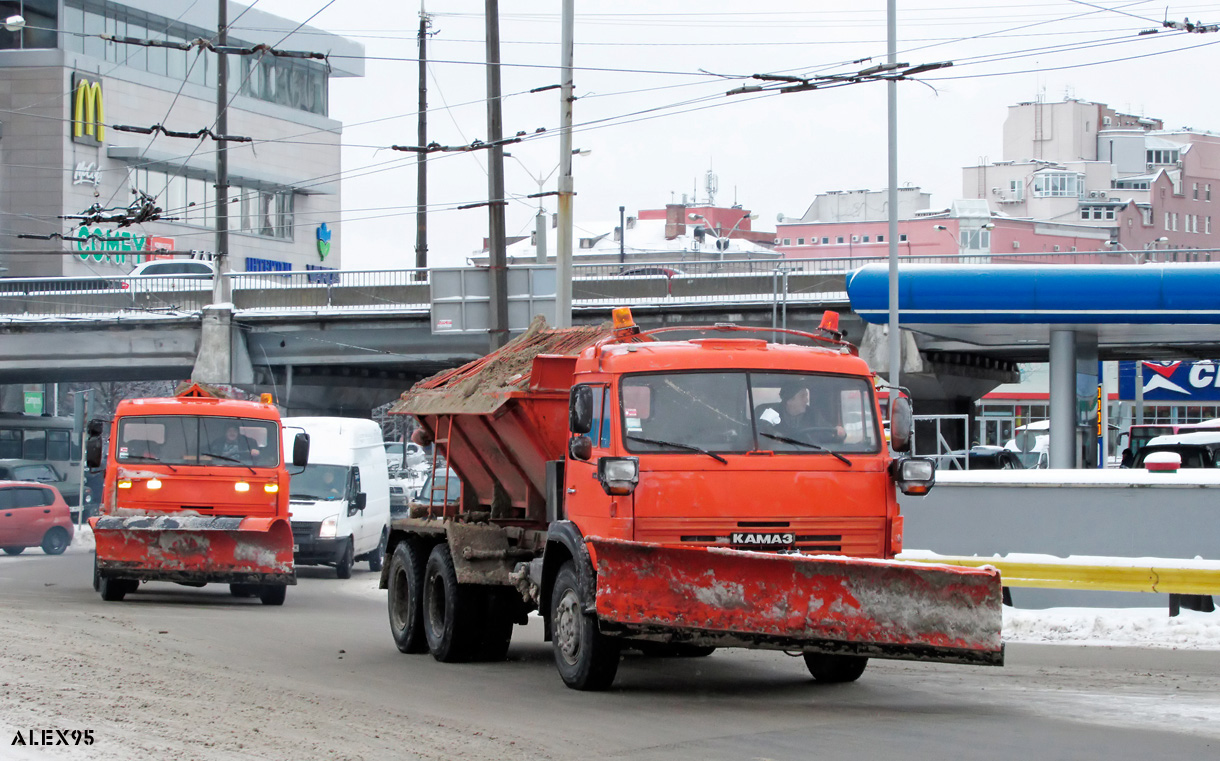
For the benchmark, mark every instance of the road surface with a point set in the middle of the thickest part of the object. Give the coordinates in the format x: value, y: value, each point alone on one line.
x: 175, y: 672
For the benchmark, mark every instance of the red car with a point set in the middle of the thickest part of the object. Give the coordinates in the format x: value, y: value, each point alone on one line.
x: 33, y: 515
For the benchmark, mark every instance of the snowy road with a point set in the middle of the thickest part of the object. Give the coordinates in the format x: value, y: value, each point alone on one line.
x: 196, y: 674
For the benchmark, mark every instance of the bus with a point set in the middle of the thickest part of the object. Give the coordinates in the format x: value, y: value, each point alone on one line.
x: 42, y: 438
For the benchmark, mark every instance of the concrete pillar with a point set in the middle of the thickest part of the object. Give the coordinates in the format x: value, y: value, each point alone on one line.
x: 1063, y: 399
x: 223, y: 358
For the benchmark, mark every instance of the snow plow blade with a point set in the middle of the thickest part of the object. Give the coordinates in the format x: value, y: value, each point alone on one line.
x: 195, y: 549
x: 829, y: 604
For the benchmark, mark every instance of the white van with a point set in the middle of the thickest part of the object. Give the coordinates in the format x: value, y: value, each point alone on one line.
x: 339, y: 505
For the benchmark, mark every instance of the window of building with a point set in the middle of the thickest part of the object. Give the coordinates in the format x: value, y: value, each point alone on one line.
x: 839, y: 239
x: 1058, y: 184
x: 1017, y: 188
x: 1166, y: 220
x: 1207, y: 225
x: 800, y: 241
x: 902, y: 237
x: 976, y: 240
x: 1146, y: 215
x: 1163, y: 156
x: 881, y: 239
x: 825, y: 241
x: 1207, y: 192
x: 1173, y: 220
x: 291, y: 82
x: 787, y: 241
x: 40, y: 24
x: 1196, y: 191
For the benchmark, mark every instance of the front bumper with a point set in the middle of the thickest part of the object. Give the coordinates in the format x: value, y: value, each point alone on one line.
x: 309, y: 549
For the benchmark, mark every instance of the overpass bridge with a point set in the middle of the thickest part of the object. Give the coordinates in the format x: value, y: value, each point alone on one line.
x: 346, y: 341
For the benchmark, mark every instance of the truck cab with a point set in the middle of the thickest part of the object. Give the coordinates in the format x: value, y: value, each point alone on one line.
x: 725, y: 441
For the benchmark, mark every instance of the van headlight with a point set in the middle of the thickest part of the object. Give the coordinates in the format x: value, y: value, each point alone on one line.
x: 913, y: 475
x: 329, y: 528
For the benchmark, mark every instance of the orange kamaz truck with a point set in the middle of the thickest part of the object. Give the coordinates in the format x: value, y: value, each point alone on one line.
x: 675, y: 491
x: 196, y: 492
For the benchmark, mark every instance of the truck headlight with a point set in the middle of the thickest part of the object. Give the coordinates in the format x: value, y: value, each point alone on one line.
x: 914, y: 475
x: 329, y: 527
x: 618, y: 475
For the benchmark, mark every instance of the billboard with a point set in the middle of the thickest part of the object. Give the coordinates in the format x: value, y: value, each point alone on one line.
x: 1176, y: 381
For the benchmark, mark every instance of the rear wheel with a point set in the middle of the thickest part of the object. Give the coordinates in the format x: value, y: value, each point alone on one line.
x: 404, y: 597
x: 586, y: 658
x: 835, y: 669
x: 14, y: 550
x: 343, y: 569
x: 114, y: 590
x: 447, y: 610
x: 378, y: 554
x: 272, y: 594
x: 496, y: 624
x: 55, y: 541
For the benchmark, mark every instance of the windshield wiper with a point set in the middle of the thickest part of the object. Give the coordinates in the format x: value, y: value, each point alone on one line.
x: 811, y: 445
x: 151, y: 458
x: 227, y: 459
x: 688, y: 447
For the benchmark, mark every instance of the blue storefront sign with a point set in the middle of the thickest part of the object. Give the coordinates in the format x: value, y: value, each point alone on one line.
x: 1177, y: 381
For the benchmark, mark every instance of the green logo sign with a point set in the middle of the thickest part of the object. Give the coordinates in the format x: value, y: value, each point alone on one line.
x: 33, y: 402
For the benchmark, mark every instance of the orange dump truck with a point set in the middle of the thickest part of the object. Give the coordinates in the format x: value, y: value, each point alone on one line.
x: 675, y: 491
x: 196, y: 492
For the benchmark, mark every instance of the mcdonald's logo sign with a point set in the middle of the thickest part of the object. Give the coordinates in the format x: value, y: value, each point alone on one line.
x: 88, y: 112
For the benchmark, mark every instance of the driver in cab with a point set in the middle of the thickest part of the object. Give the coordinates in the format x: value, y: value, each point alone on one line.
x: 793, y: 416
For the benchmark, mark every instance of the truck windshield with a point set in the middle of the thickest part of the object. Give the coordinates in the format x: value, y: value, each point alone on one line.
x: 198, y: 440
x: 319, y: 482
x: 743, y: 411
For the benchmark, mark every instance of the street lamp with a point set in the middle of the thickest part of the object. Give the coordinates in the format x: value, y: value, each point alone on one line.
x: 14, y: 23
x: 719, y: 237
x: 540, y: 220
x: 1135, y: 256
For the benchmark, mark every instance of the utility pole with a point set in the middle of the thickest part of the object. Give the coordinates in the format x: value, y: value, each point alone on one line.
x: 891, y: 92
x: 622, y: 236
x: 421, y: 165
x: 563, y: 248
x: 220, y: 284
x: 498, y: 258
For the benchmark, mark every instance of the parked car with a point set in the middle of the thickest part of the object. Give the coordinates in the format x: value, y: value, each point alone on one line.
x: 1197, y: 450
x: 400, y: 455
x: 169, y: 275
x: 33, y: 515
x: 405, y: 484
x: 980, y: 458
x: 67, y: 484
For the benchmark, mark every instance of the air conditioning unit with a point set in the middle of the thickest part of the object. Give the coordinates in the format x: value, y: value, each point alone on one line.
x: 1016, y: 244
x: 995, y: 191
x: 1093, y: 194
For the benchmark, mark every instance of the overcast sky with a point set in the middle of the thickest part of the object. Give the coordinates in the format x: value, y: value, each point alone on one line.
x: 651, y: 81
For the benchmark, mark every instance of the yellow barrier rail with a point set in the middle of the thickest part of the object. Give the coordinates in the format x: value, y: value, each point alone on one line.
x: 1184, y: 577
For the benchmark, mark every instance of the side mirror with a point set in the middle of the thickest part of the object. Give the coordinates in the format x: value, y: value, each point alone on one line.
x: 93, y: 451
x: 300, y: 450
x: 902, y: 424
x: 359, y: 504
x: 580, y: 409
x: 580, y: 447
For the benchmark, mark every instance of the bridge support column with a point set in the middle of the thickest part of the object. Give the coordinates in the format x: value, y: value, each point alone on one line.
x: 223, y: 357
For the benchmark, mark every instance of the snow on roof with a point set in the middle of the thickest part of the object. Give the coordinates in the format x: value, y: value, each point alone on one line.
x: 646, y: 236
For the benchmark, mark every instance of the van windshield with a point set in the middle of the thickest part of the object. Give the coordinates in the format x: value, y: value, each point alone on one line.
x: 198, y: 440
x: 743, y: 411
x: 319, y: 482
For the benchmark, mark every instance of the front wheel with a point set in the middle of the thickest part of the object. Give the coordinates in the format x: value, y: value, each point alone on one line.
x: 55, y: 541
x: 272, y: 594
x: 835, y: 669
x: 586, y: 658
x: 14, y: 550
x: 404, y: 597
x: 343, y: 569
x: 375, y: 559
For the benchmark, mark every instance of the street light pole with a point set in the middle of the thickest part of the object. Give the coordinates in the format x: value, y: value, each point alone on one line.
x: 563, y: 253
x: 891, y: 26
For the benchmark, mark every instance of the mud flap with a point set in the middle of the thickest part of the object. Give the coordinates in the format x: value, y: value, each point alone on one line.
x: 195, y: 549
x: 831, y: 604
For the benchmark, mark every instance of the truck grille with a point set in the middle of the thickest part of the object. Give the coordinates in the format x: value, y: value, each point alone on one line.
x: 859, y: 536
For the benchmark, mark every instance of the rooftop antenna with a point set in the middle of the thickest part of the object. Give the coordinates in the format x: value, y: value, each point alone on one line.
x: 712, y: 183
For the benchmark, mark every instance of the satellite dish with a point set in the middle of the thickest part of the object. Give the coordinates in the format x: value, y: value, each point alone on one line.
x: 779, y: 217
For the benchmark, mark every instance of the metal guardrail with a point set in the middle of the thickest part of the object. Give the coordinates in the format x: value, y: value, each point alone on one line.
x: 1184, y: 577
x: 595, y: 285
